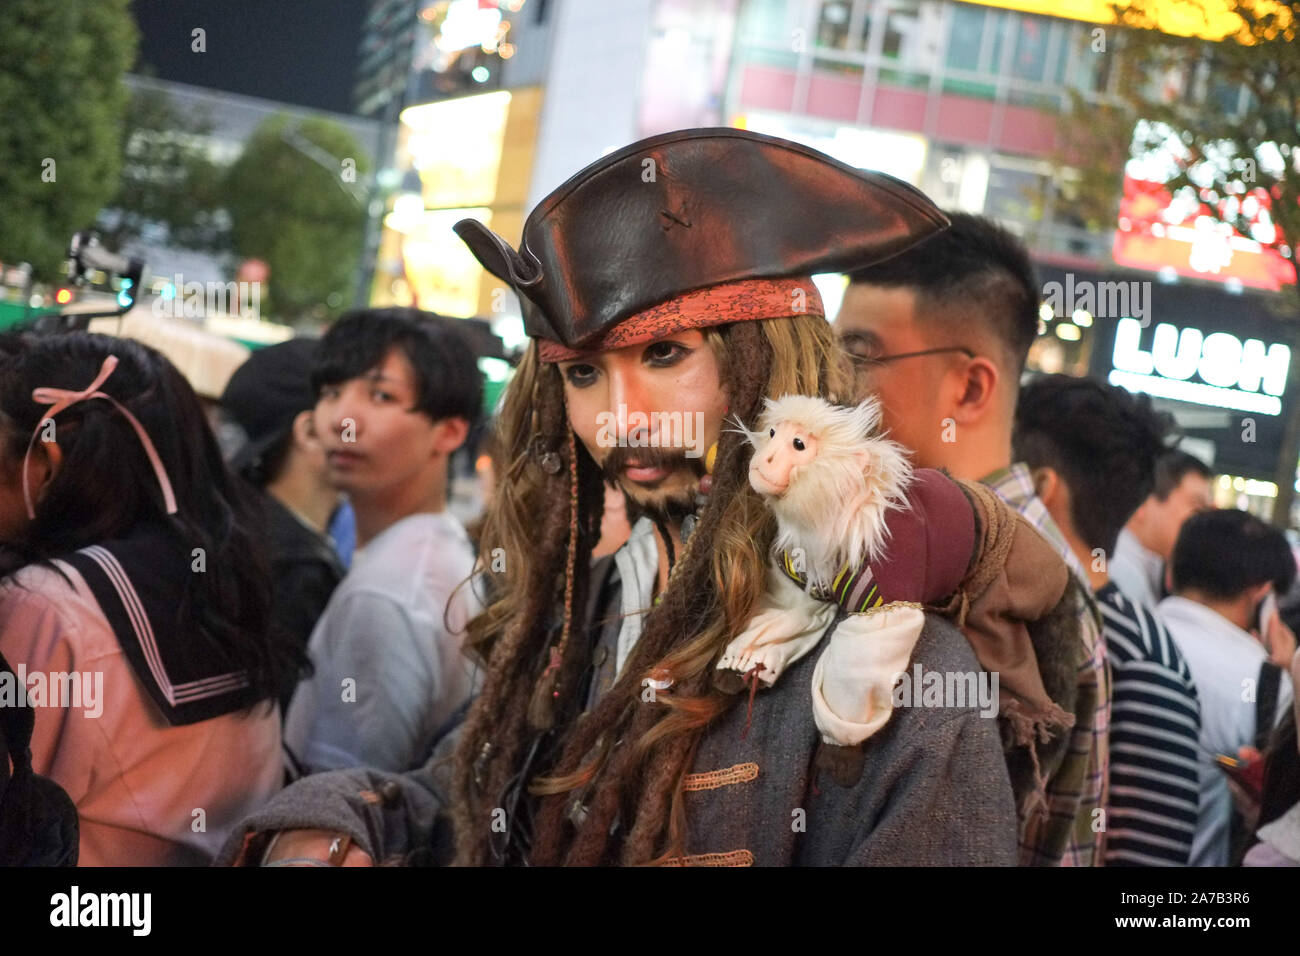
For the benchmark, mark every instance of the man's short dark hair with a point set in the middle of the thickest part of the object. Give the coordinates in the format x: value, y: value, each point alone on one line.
x: 268, y: 466
x: 1173, y: 466
x: 448, y: 383
x: 1102, y: 441
x: 1225, y: 553
x: 975, y: 269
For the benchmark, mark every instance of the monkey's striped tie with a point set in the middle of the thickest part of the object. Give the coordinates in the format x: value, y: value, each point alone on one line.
x: 853, y: 589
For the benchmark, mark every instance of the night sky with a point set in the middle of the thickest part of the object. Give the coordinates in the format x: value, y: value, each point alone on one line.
x: 296, y: 51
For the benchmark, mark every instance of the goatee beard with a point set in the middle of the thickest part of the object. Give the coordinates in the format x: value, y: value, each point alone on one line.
x: 663, y: 508
x: 671, y: 511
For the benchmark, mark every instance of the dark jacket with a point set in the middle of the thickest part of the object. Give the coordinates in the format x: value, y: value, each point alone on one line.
x: 38, y: 821
x: 934, y: 788
x: 304, y: 572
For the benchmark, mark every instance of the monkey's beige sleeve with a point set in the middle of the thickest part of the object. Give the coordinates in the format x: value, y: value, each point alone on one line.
x: 853, y: 682
x: 787, y: 625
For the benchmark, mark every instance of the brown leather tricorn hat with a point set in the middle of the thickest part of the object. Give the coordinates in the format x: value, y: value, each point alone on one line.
x: 691, y: 209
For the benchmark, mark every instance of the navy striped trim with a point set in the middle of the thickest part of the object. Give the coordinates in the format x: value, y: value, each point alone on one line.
x: 1154, y: 734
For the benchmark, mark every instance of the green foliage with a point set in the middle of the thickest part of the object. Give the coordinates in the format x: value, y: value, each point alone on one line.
x: 291, y: 205
x: 1188, y: 85
x: 1191, y: 87
x: 61, y: 99
x: 1094, y: 154
x: 167, y: 177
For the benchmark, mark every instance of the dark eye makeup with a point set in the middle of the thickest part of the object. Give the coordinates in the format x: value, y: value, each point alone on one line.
x: 580, y: 376
x: 662, y: 354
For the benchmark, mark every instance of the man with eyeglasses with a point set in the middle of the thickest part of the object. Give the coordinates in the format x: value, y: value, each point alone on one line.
x: 940, y: 334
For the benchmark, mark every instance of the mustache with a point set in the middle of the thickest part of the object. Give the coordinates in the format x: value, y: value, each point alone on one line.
x: 672, y: 459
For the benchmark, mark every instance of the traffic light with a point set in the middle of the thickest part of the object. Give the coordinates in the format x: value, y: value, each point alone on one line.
x: 126, y: 293
x: 63, y: 296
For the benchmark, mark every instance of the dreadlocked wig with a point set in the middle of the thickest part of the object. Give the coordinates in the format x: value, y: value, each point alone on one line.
x: 623, y: 762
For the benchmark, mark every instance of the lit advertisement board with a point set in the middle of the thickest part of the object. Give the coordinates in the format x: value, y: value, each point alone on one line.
x: 456, y: 147
x: 474, y: 157
x: 1209, y: 19
x: 1203, y: 368
x: 1190, y: 231
x: 442, y: 273
x: 1218, y: 361
x: 1155, y: 234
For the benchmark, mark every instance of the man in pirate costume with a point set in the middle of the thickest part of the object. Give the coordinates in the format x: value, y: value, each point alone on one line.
x: 670, y: 277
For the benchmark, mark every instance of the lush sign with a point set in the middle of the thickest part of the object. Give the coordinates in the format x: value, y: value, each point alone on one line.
x: 1189, y: 365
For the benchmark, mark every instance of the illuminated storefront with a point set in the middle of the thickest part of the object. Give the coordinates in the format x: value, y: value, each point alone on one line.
x: 468, y: 157
x: 1216, y: 369
x: 1217, y: 361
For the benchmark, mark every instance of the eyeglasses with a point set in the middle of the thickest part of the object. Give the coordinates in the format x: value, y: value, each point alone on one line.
x: 871, y: 361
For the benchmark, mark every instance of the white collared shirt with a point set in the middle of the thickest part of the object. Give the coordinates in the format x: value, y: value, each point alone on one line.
x: 389, y: 672
x: 638, y: 569
x: 1136, y: 571
x: 1225, y: 664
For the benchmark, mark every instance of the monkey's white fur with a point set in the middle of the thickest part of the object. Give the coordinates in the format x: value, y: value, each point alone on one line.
x: 834, y: 508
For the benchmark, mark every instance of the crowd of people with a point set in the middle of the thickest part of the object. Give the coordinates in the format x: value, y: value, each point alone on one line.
x: 543, y: 686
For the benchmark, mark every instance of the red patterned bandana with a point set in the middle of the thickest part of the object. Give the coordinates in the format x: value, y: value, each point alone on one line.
x: 714, y: 305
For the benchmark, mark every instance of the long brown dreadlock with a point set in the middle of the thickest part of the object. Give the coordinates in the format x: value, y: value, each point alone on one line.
x: 626, y: 759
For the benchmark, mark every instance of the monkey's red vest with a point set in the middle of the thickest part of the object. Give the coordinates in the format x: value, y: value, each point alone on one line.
x: 928, y: 551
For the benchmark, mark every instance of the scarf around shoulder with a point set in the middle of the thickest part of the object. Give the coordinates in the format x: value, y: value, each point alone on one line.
x: 930, y: 545
x: 142, y: 585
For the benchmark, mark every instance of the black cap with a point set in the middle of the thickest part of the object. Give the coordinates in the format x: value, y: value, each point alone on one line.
x: 267, y: 393
x: 691, y: 209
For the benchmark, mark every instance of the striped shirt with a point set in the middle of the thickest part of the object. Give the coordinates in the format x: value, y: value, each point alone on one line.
x: 1071, y: 834
x: 1155, y: 725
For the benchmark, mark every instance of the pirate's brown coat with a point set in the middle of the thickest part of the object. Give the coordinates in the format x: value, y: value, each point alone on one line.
x: 934, y: 788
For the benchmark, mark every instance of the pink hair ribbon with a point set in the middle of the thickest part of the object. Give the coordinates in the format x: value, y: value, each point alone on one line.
x: 63, y: 398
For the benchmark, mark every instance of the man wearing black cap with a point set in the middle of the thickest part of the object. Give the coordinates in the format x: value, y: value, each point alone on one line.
x: 667, y: 289
x: 270, y: 397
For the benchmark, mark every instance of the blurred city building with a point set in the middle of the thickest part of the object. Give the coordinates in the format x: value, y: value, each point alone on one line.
x: 232, y: 118
x: 384, y: 64
x: 465, y: 142
x: 961, y: 99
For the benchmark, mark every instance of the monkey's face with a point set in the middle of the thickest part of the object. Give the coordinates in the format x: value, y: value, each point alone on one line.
x: 788, y: 446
